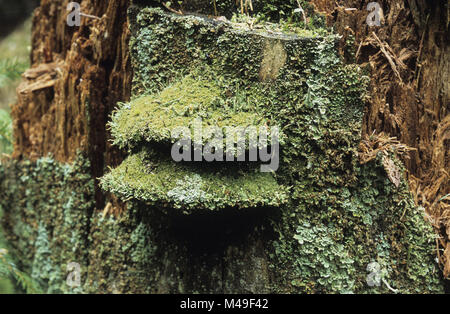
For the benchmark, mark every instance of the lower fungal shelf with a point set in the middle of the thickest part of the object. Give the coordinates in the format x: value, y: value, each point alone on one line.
x: 149, y: 177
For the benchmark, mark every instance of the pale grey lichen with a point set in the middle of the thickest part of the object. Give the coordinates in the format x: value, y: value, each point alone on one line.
x: 188, y: 191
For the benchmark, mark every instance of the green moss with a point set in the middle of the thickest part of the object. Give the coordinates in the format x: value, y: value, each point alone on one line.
x: 154, y: 118
x: 273, y: 11
x: 157, y: 180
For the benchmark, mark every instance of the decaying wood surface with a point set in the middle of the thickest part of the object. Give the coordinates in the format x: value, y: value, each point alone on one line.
x: 79, y: 73
x: 77, y: 76
x: 409, y: 62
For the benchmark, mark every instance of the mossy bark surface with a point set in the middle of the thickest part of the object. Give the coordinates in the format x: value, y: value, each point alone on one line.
x: 341, y: 215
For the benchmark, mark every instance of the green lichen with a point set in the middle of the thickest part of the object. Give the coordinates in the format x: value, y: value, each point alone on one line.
x: 370, y: 222
x: 46, y: 208
x: 165, y: 47
x: 321, y: 255
x: 43, y: 268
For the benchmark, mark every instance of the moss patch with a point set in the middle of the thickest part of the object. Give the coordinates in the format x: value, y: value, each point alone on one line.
x: 276, y: 12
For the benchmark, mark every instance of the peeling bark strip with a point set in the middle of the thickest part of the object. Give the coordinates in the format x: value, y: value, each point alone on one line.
x: 44, y: 76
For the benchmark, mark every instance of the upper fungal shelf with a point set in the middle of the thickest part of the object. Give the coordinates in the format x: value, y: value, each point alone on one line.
x: 154, y: 118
